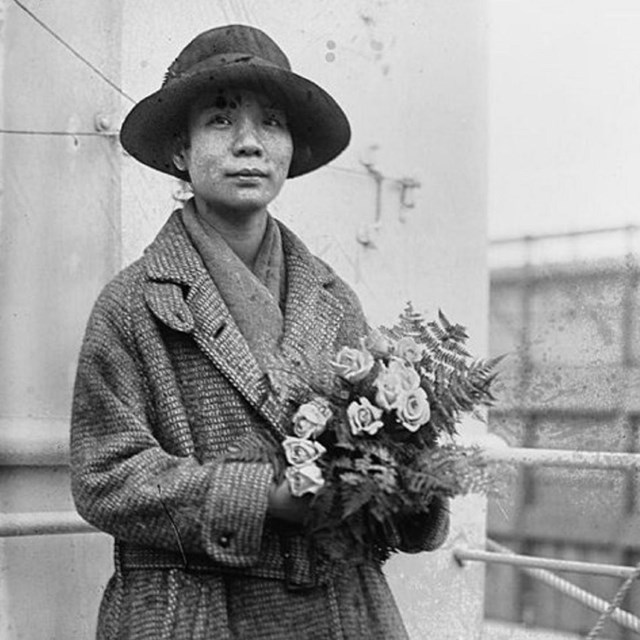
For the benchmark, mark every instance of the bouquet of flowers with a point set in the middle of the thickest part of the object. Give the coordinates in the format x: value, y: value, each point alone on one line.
x: 370, y: 449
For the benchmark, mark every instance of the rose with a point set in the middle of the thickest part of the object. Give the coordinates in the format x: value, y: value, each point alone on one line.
x: 299, y: 451
x: 364, y: 417
x: 408, y: 349
x: 323, y: 406
x: 413, y: 409
x: 378, y: 344
x: 305, y: 479
x: 393, y: 380
x: 409, y: 378
x: 353, y: 364
x: 311, y: 418
x: 389, y: 387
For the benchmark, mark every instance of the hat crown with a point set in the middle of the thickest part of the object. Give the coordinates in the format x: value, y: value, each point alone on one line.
x: 231, y: 39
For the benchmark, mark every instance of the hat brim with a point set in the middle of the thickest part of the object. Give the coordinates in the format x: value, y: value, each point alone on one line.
x: 319, y: 128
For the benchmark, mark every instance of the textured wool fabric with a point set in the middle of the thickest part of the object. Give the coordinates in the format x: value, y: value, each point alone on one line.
x: 171, y: 412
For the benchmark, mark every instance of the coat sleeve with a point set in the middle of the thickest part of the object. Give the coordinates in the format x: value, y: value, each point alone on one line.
x: 424, y: 532
x: 127, y: 485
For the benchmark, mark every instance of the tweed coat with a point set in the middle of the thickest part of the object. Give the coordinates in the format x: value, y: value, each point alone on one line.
x: 169, y: 403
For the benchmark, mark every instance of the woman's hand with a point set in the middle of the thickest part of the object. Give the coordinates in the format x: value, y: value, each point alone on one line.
x: 284, y: 505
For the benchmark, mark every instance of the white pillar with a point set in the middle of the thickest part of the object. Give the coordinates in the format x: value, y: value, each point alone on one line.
x: 411, y: 76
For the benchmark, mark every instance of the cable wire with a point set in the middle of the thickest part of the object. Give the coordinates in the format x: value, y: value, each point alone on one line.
x: 30, y: 132
x: 76, y: 53
x: 614, y: 604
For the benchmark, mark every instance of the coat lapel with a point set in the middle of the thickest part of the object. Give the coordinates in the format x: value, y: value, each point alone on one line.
x: 180, y: 292
x: 313, y: 315
x: 173, y: 266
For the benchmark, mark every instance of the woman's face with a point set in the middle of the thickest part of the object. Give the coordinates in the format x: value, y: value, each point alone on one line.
x: 239, y: 151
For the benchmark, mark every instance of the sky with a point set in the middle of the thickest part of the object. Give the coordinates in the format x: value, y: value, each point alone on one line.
x: 564, y: 115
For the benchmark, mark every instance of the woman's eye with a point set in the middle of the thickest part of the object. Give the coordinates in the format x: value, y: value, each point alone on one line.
x: 275, y: 121
x: 219, y: 119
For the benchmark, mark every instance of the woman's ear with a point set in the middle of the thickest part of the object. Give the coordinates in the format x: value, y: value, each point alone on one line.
x: 179, y: 159
x: 179, y: 151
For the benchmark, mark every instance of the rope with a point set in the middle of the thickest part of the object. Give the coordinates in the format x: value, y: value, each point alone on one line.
x: 73, y: 134
x: 76, y: 53
x: 614, y: 604
x: 622, y: 617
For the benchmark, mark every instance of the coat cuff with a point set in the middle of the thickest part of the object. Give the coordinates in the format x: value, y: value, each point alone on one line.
x: 426, y: 531
x: 236, y: 512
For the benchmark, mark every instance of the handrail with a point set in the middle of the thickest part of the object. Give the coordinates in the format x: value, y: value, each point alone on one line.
x: 627, y: 229
x: 43, y: 523
x: 592, y: 568
x: 562, y: 457
x: 29, y: 446
x: 622, y: 617
x: 66, y: 522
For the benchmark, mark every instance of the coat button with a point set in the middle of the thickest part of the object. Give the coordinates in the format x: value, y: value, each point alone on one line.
x: 224, y: 540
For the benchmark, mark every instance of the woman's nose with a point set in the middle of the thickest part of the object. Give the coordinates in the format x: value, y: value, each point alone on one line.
x: 247, y: 141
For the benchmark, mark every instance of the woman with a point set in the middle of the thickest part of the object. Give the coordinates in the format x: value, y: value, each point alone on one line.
x: 176, y: 404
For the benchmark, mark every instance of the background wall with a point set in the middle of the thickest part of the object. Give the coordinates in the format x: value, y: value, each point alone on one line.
x: 411, y: 76
x: 564, y: 155
x: 571, y: 383
x: 564, y: 103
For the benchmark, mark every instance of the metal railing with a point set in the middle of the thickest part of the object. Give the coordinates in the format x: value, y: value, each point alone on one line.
x: 69, y: 522
x: 563, y: 458
x: 43, y: 523
x: 539, y: 567
x: 565, y: 247
x: 535, y: 562
x: 624, y: 618
x: 63, y: 522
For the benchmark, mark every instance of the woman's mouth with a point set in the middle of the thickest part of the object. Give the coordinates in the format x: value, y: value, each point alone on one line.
x: 247, y: 173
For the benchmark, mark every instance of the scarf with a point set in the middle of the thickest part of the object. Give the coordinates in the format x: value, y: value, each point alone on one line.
x: 255, y: 298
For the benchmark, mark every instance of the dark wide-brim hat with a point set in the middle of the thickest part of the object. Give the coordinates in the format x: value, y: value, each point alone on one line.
x: 242, y: 57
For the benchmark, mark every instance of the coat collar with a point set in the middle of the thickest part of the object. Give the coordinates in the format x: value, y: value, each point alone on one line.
x: 180, y: 292
x: 171, y: 257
